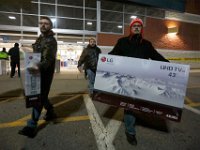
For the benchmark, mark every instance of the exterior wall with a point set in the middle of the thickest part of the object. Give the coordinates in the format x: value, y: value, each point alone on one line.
x: 193, y: 6
x: 183, y: 47
x: 187, y: 38
x: 107, y: 39
x: 155, y: 30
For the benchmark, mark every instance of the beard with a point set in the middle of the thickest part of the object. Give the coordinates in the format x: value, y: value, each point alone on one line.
x: 136, y: 31
x: 44, y: 30
x: 135, y: 39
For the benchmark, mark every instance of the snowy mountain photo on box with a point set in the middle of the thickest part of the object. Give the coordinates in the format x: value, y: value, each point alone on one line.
x: 150, y: 89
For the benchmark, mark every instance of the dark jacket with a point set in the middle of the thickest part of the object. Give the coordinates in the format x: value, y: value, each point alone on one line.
x: 14, y: 54
x: 136, y: 47
x: 47, y: 46
x: 89, y: 58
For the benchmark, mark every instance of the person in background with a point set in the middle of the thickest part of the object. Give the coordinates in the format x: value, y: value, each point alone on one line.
x: 4, y: 54
x: 14, y: 59
x: 89, y: 59
x: 135, y: 46
x: 4, y: 50
x: 46, y: 44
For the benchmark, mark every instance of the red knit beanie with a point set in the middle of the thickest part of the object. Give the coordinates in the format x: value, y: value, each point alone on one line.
x: 138, y: 20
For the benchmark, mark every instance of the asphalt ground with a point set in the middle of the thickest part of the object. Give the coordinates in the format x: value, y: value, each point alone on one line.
x: 83, y: 124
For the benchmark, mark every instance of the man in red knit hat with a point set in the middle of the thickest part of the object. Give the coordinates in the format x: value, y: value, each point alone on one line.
x: 136, y: 46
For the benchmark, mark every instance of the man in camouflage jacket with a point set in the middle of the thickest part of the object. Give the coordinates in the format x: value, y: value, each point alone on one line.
x: 89, y: 59
x: 46, y: 44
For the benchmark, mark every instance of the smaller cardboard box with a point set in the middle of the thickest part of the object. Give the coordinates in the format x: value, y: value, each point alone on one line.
x: 31, y: 82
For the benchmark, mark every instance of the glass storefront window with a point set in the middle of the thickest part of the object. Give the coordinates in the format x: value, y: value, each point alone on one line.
x: 70, y: 12
x: 90, y: 3
x: 135, y: 9
x: 32, y: 8
x: 90, y: 25
x: 30, y: 20
x: 111, y: 27
x: 48, y: 10
x: 71, y: 2
x: 48, y: 1
x: 90, y: 14
x: 9, y: 19
x: 115, y: 6
x: 9, y: 8
x: 111, y: 16
x: 70, y: 24
x: 128, y: 19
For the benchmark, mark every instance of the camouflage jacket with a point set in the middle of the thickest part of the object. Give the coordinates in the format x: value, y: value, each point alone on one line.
x: 89, y: 58
x: 47, y: 46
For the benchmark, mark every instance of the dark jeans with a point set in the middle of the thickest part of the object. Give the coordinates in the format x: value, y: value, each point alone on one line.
x: 129, y: 121
x: 13, y: 65
x: 91, y: 79
x: 46, y: 80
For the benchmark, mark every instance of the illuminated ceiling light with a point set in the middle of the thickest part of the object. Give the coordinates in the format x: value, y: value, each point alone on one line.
x: 133, y: 17
x: 80, y: 42
x: 12, y: 17
x: 89, y: 23
x: 119, y: 26
x: 172, y: 30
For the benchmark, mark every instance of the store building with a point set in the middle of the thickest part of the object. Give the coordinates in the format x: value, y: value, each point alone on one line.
x: 75, y: 21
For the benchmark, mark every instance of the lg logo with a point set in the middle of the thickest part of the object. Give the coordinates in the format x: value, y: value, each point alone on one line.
x: 104, y: 59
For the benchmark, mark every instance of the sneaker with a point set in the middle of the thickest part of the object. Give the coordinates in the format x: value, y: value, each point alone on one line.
x: 131, y: 139
x: 28, y: 131
x: 50, y: 115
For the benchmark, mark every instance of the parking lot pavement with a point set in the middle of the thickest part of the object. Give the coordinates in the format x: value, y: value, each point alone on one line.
x: 83, y: 124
